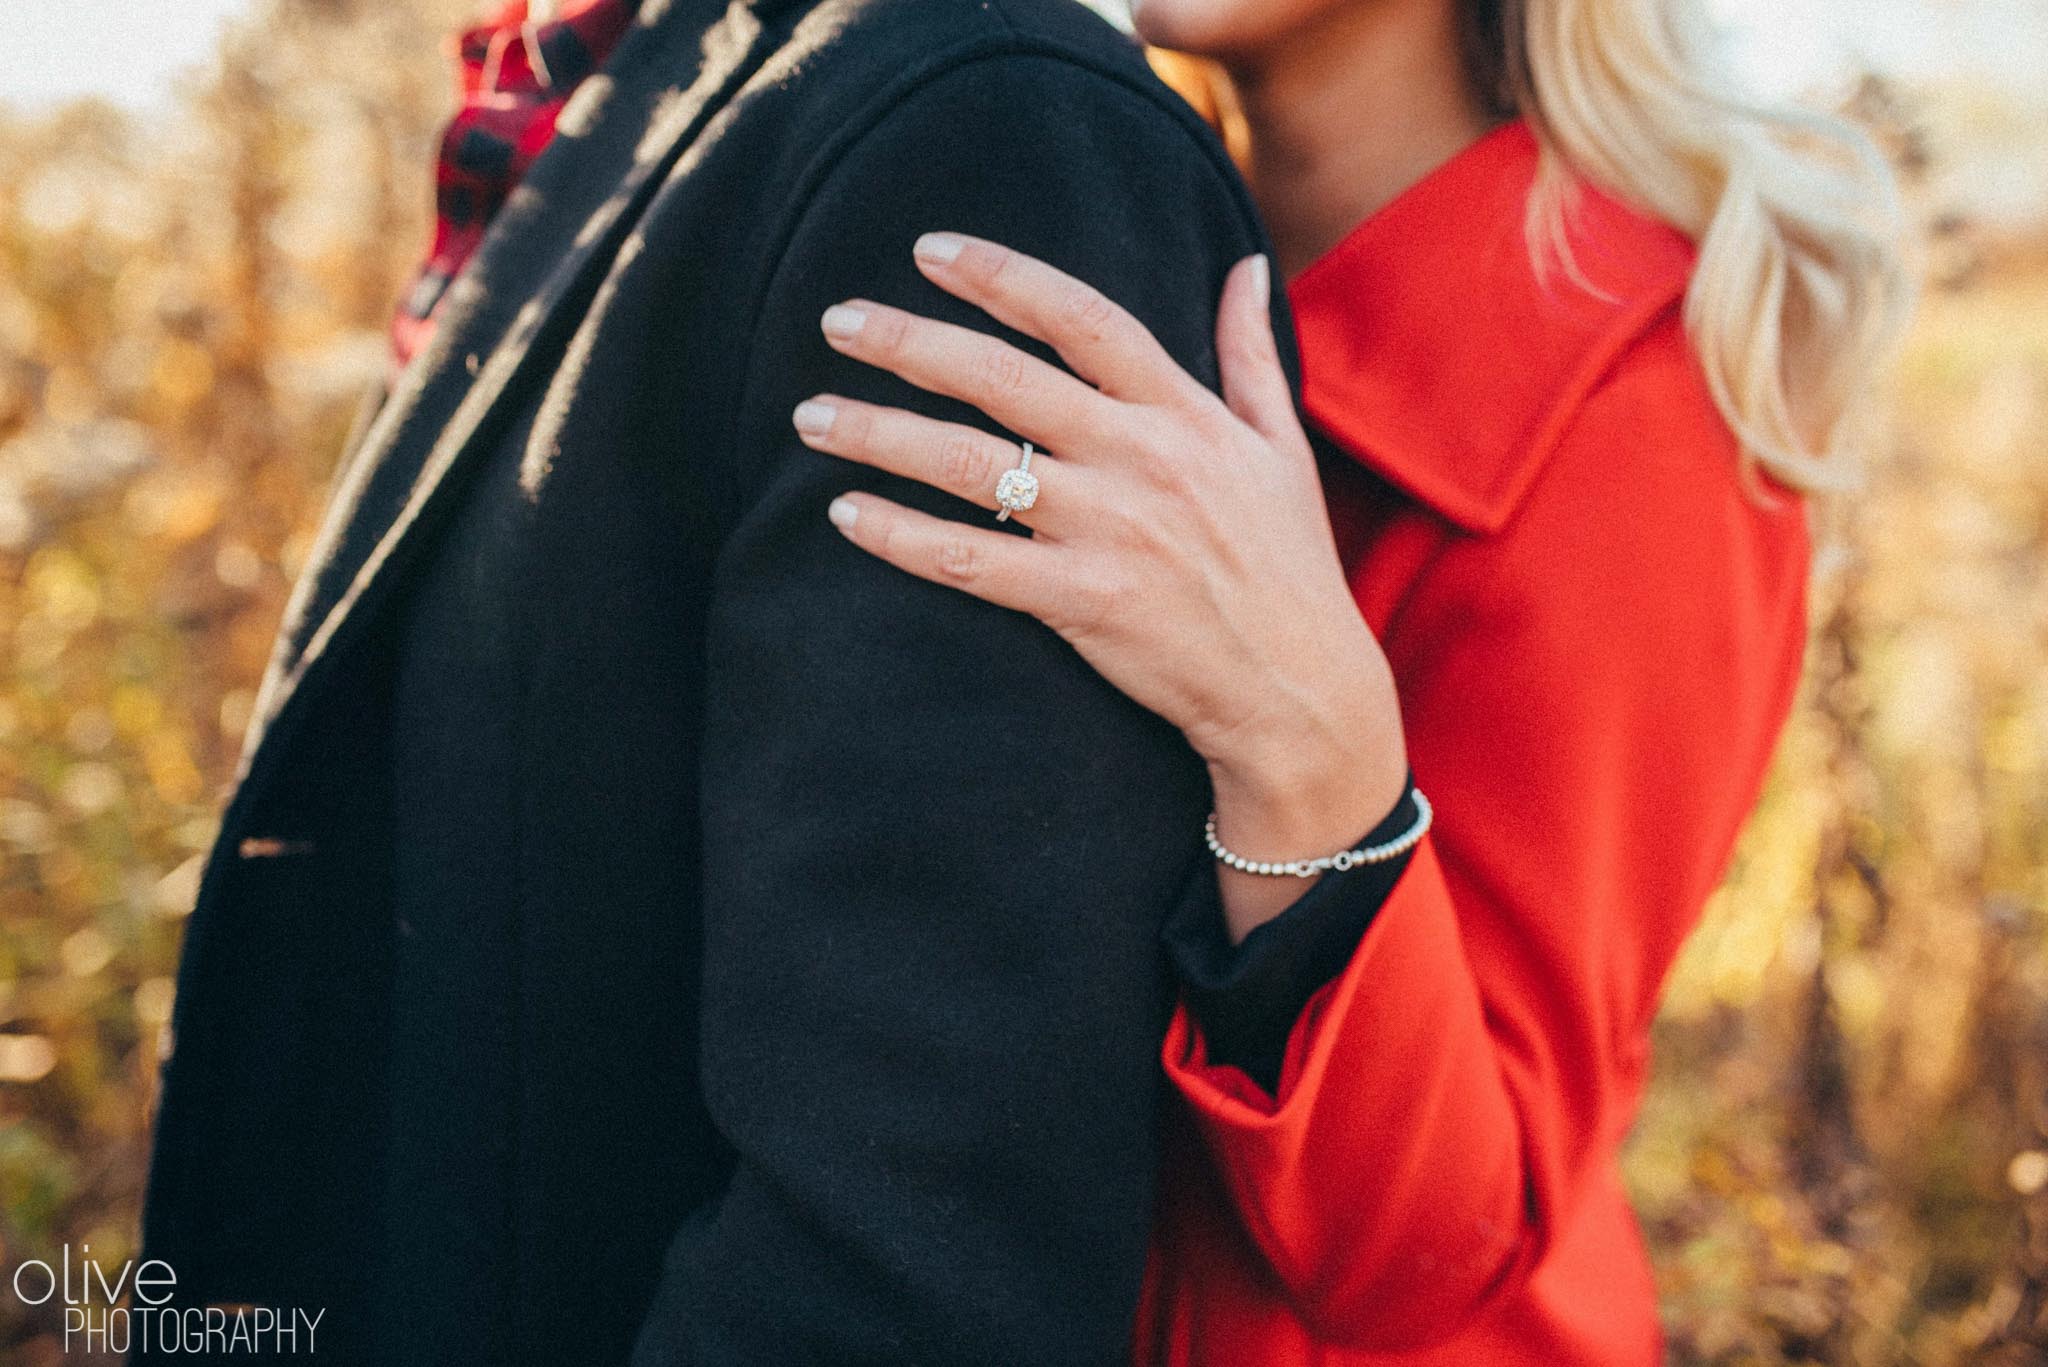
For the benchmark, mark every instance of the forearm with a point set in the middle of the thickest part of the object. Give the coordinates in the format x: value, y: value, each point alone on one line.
x: 1249, y: 996
x: 1252, y: 949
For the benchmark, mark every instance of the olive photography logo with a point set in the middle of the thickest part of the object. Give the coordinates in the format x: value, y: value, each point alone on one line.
x: 127, y: 1309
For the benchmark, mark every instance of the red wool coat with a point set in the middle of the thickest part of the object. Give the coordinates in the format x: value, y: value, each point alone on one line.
x: 1597, y: 637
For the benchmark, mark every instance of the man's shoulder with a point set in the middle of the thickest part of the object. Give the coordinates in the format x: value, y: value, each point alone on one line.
x: 1028, y: 57
x: 883, y: 30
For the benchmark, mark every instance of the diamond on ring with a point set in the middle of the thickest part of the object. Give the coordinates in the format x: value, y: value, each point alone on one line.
x: 1017, y: 490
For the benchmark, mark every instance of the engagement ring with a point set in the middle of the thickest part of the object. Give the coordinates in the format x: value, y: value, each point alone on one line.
x: 1017, y: 490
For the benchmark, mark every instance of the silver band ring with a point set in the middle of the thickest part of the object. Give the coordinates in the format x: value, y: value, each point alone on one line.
x: 1017, y: 490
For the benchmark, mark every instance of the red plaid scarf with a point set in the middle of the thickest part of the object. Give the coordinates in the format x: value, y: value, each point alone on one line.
x: 512, y: 79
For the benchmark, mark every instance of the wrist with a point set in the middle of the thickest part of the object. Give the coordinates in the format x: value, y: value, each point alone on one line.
x: 1268, y: 818
x: 1319, y: 812
x: 1323, y: 774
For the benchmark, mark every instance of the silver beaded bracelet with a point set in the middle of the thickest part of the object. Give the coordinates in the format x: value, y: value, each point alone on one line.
x: 1343, y: 859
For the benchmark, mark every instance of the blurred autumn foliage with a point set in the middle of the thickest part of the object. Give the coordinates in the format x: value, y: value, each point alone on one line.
x: 1843, y: 1157
x: 190, y: 309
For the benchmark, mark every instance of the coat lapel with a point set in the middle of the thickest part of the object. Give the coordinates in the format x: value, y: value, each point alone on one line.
x: 533, y: 276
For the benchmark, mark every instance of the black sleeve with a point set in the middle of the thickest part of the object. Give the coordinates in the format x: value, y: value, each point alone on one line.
x: 1247, y: 996
x: 939, y: 848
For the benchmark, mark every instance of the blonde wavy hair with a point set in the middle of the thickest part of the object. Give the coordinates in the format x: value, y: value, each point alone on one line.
x: 1800, y: 288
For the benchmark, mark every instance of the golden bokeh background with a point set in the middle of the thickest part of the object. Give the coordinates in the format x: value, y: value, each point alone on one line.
x: 1843, y: 1157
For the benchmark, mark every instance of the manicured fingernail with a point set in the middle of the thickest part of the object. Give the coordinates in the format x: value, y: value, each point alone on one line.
x: 813, y: 417
x: 941, y: 249
x: 1262, y: 280
x: 843, y: 321
x: 843, y: 513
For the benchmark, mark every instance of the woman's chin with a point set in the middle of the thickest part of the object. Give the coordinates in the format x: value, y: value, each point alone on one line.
x: 1197, y: 27
x: 1219, y: 29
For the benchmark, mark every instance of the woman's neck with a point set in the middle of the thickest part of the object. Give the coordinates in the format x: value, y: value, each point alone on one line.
x: 1349, y: 111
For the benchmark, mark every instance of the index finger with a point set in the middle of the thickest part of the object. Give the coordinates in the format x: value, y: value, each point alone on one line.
x: 1093, y: 334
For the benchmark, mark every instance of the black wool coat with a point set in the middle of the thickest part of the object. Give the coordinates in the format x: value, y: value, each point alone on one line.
x: 646, y: 926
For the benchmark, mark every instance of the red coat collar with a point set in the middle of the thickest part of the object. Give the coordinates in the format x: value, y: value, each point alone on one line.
x: 1434, y: 355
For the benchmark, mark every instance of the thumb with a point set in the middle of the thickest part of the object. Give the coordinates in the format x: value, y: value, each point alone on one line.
x: 1254, y: 385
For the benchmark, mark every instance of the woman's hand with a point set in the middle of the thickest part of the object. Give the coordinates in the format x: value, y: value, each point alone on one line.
x: 1179, y: 542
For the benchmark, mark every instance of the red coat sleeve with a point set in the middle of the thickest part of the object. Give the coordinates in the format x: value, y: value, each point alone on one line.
x: 1591, y: 697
